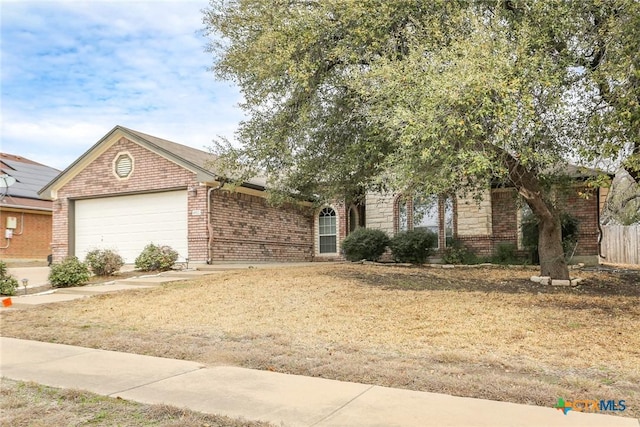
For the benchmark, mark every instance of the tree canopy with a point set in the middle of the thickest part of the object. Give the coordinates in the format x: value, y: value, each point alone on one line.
x: 441, y: 96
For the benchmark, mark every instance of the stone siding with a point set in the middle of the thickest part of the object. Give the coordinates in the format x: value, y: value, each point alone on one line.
x: 381, y: 212
x: 473, y: 217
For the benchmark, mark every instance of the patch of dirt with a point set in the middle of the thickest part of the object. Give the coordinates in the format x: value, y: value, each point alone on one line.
x: 499, y: 279
x: 478, y: 332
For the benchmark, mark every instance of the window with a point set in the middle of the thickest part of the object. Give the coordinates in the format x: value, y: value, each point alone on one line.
x: 426, y: 213
x: 327, y: 231
x: 403, y: 218
x: 433, y: 213
x: 448, y: 221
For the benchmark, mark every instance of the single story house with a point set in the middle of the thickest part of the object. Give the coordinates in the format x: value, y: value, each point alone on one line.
x: 131, y: 189
x: 25, y: 218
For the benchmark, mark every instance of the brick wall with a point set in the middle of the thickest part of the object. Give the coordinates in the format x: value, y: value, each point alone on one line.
x: 505, y: 221
x: 247, y: 227
x: 581, y: 202
x: 32, y: 237
x: 504, y: 215
x: 151, y: 172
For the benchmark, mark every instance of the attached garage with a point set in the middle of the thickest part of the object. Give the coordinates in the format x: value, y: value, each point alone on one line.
x: 131, y: 189
x: 128, y: 223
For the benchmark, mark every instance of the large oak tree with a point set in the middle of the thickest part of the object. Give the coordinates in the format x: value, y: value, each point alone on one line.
x: 436, y: 96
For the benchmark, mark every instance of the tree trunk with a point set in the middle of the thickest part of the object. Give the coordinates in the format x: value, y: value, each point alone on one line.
x: 552, y: 261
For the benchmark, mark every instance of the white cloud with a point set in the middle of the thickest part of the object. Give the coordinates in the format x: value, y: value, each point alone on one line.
x: 71, y: 71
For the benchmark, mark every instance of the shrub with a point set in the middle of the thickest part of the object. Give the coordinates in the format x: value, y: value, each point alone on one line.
x: 413, y: 246
x: 457, y: 253
x: 365, y: 243
x: 104, y: 262
x: 505, y: 253
x: 70, y: 272
x: 8, y: 283
x: 156, y: 258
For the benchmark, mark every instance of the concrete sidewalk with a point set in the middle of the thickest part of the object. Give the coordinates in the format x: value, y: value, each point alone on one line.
x: 287, y: 400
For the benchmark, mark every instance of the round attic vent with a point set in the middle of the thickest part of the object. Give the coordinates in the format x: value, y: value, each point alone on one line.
x: 123, y: 165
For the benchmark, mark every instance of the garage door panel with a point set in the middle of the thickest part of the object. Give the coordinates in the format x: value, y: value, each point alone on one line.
x: 128, y: 223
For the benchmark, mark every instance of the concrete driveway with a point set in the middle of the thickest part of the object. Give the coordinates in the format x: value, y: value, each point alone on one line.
x: 37, y: 276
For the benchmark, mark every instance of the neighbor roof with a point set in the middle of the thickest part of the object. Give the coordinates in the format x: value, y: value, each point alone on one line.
x: 30, y: 176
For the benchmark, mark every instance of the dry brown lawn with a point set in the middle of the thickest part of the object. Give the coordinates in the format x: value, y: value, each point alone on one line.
x: 478, y: 332
x: 26, y: 404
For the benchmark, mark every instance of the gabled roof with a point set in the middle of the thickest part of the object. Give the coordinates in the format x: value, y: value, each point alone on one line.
x: 193, y: 156
x: 30, y: 176
x: 192, y: 159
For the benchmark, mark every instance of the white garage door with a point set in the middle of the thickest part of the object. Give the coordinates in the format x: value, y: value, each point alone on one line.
x: 128, y: 223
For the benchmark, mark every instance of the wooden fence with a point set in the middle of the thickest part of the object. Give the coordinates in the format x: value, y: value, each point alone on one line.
x: 621, y: 244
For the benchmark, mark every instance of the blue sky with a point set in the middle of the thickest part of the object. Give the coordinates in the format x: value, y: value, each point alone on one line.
x: 72, y: 70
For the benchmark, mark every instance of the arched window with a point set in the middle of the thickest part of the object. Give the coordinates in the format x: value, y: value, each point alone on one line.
x: 327, y: 231
x: 403, y: 215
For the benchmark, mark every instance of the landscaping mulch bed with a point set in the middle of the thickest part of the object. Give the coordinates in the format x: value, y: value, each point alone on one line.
x: 486, y: 332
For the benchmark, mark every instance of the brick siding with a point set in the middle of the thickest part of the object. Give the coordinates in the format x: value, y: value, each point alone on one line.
x: 582, y: 203
x: 34, y: 242
x: 151, y: 172
x: 244, y: 227
x: 506, y: 227
x: 247, y: 227
x: 504, y: 216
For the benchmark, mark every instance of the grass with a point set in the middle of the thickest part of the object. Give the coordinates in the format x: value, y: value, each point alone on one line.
x: 34, y: 405
x: 482, y: 332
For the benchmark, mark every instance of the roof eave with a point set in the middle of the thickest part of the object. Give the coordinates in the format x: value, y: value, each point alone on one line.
x: 202, y: 175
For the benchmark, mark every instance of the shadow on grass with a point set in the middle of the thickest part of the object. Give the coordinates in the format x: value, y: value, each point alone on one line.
x: 501, y: 280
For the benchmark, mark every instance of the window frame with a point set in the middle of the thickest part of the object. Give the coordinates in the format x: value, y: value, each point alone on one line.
x: 405, y: 220
x: 327, y: 212
x: 116, y: 166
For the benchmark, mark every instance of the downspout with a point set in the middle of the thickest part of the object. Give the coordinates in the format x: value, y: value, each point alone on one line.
x: 209, y: 226
x: 599, y: 225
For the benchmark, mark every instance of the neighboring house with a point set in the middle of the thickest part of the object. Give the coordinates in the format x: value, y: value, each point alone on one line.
x: 131, y: 189
x: 25, y: 218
